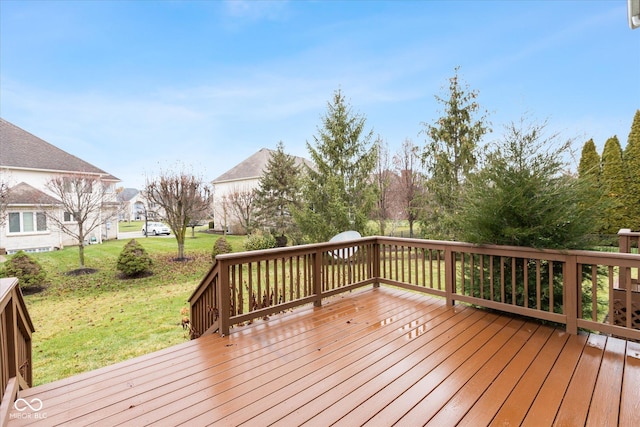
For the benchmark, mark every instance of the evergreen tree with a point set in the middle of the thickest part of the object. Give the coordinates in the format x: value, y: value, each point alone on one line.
x: 632, y: 167
x: 615, y: 187
x: 523, y: 196
x: 589, y: 172
x: 278, y: 193
x: 338, y: 193
x: 450, y: 155
x: 589, y: 162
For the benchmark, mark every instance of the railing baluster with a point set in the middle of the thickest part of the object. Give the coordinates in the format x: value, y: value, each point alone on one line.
x: 538, y: 286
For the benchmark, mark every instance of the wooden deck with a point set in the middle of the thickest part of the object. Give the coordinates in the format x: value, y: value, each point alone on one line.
x: 376, y: 357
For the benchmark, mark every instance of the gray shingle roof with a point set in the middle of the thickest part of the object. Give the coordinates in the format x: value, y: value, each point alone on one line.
x: 20, y: 149
x: 127, y: 194
x: 252, y: 167
x: 24, y: 194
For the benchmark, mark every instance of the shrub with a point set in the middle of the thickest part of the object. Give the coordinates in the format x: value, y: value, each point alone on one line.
x: 27, y: 269
x: 134, y: 260
x: 259, y: 240
x: 221, y: 246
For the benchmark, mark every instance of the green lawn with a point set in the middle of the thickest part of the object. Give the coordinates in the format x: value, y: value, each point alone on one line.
x: 86, y: 322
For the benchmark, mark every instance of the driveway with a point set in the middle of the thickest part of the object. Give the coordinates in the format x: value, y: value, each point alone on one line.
x: 138, y: 235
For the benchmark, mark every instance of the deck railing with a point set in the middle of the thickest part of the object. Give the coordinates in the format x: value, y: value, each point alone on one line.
x: 15, y: 345
x: 580, y: 289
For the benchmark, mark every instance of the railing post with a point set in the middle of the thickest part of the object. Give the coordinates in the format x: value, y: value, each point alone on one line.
x: 375, y: 259
x: 624, y: 240
x: 570, y: 294
x: 317, y: 278
x: 624, y: 247
x: 12, y: 339
x: 449, y: 274
x: 224, y: 303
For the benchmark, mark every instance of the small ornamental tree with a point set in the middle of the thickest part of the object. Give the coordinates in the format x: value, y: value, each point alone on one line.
x: 134, y: 260
x: 27, y: 269
x: 85, y: 200
x: 183, y: 198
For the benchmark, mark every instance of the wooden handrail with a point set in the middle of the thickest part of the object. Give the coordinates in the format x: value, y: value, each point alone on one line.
x: 567, y: 287
x: 16, y: 328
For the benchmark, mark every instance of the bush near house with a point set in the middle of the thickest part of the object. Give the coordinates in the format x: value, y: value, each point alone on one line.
x: 221, y: 246
x: 259, y: 240
x: 29, y: 272
x: 134, y: 260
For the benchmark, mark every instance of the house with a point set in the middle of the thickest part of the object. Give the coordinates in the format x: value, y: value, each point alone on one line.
x: 131, y: 205
x: 27, y: 164
x: 243, y: 178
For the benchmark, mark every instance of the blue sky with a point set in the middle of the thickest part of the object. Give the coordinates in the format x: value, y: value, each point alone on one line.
x: 134, y: 86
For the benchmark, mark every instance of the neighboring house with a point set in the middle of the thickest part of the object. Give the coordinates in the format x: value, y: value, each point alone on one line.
x: 27, y: 163
x: 132, y: 205
x: 242, y: 178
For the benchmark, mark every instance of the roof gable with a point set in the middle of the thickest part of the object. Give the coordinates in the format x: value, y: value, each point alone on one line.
x: 252, y: 167
x: 24, y: 194
x: 127, y: 194
x: 20, y: 149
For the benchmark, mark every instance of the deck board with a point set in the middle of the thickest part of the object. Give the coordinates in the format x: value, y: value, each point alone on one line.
x: 371, y: 357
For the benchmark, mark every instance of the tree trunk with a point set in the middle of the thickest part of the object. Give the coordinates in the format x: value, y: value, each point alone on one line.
x: 81, y: 245
x: 81, y: 254
x: 180, y: 250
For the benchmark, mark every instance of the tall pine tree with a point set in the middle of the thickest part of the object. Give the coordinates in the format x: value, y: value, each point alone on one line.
x: 278, y: 194
x: 590, y: 175
x: 589, y: 162
x: 632, y: 168
x: 450, y: 154
x: 338, y: 193
x: 614, y: 186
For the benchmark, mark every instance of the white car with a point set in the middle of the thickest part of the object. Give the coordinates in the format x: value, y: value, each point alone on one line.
x: 156, y: 228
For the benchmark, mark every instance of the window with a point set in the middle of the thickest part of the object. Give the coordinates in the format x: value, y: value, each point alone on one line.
x: 70, y: 217
x: 27, y: 222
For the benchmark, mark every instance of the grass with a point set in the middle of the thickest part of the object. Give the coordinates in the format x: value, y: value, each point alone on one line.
x: 89, y: 321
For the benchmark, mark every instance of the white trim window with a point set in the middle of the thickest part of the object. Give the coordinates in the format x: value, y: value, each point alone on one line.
x: 27, y: 222
x: 70, y: 217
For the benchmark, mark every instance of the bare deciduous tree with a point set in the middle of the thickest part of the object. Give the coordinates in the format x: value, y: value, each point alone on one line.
x: 409, y: 189
x: 4, y: 197
x: 239, y: 203
x: 383, y: 176
x: 183, y: 197
x: 84, y: 200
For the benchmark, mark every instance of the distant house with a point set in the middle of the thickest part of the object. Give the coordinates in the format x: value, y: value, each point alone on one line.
x: 242, y: 178
x: 132, y: 205
x: 27, y: 163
